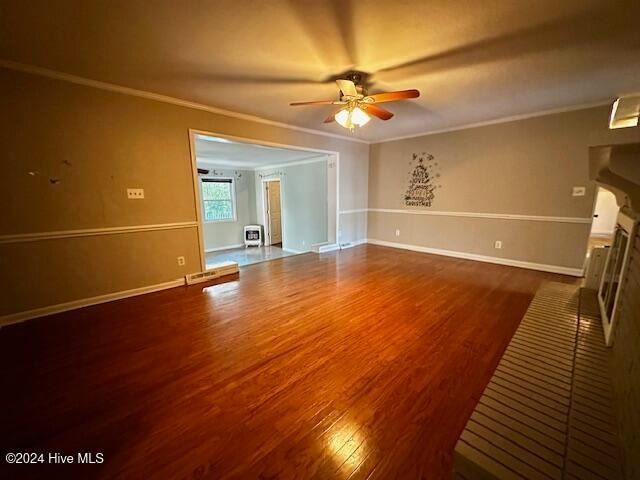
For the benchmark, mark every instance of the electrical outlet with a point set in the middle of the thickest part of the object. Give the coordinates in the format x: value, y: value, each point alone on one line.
x: 135, y: 193
x: 497, y: 244
x: 181, y: 261
x: 397, y: 232
x: 579, y: 191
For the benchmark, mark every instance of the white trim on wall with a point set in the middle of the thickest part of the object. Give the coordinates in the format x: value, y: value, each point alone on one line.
x: 207, y: 162
x: 502, y: 216
x: 264, y: 195
x: 225, y: 247
x: 197, y: 198
x: 575, y: 272
x: 297, y: 252
x: 85, y: 302
x: 89, y: 232
x: 322, y: 158
x: 355, y: 210
x: 236, y: 138
x: 66, y: 77
x: 354, y: 243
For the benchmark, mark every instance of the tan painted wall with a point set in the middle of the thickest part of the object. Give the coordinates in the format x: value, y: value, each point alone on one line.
x: 522, y: 240
x: 49, y: 272
x: 112, y: 141
x: 525, y: 167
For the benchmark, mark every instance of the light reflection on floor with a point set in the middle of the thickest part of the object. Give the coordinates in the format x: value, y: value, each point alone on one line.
x: 246, y: 256
x: 347, y: 446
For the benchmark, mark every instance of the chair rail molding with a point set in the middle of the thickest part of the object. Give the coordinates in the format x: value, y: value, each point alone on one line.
x: 502, y: 216
x: 88, y: 232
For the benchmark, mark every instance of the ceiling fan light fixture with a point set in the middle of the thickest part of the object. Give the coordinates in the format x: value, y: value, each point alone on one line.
x: 343, y: 117
x: 359, y: 117
x: 352, y: 117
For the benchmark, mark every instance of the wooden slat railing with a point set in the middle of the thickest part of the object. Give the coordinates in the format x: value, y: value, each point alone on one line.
x: 547, y: 411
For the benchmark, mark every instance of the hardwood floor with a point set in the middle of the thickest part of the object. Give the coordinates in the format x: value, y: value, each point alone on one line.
x: 360, y: 364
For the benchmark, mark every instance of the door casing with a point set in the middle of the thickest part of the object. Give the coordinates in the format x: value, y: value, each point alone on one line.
x: 267, y: 210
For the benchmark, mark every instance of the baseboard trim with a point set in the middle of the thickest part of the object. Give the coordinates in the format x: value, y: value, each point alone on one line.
x: 355, y: 243
x: 575, y: 272
x: 291, y: 250
x: 226, y: 247
x: 85, y: 302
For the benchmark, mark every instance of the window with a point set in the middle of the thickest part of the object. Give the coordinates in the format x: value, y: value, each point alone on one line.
x: 218, y: 200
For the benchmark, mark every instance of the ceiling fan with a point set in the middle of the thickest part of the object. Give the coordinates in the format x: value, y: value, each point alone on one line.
x: 357, y: 106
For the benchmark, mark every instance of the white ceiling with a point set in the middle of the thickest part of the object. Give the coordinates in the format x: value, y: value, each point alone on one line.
x: 220, y: 152
x: 473, y: 61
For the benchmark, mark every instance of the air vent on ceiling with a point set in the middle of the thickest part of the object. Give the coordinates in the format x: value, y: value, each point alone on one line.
x: 625, y: 112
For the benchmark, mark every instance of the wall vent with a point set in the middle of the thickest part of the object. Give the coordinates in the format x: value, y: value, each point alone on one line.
x: 328, y: 247
x: 218, y: 270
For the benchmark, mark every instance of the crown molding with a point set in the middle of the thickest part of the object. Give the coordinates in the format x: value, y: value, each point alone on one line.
x: 45, y: 72
x: 66, y: 77
x: 496, y: 121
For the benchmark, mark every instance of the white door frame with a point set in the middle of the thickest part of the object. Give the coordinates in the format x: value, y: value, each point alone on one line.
x: 196, y: 188
x: 628, y: 225
x: 267, y: 226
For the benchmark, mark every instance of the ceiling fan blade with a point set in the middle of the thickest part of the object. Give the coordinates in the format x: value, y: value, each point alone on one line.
x: 347, y: 87
x: 318, y: 102
x: 393, y: 96
x: 330, y: 118
x: 381, y: 113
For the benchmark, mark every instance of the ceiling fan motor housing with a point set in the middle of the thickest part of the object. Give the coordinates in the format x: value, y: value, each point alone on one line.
x: 358, y: 79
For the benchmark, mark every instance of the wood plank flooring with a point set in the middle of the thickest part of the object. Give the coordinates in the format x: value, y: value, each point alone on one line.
x: 364, y: 363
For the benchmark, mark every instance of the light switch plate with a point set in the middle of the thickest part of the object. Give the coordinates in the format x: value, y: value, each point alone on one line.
x: 579, y: 191
x: 135, y: 193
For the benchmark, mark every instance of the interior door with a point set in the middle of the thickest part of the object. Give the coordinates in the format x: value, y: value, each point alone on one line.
x: 275, y: 214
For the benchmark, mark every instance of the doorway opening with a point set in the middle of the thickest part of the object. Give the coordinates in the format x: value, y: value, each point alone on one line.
x: 272, y: 202
x: 605, y: 213
x: 603, y: 226
x: 259, y: 201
